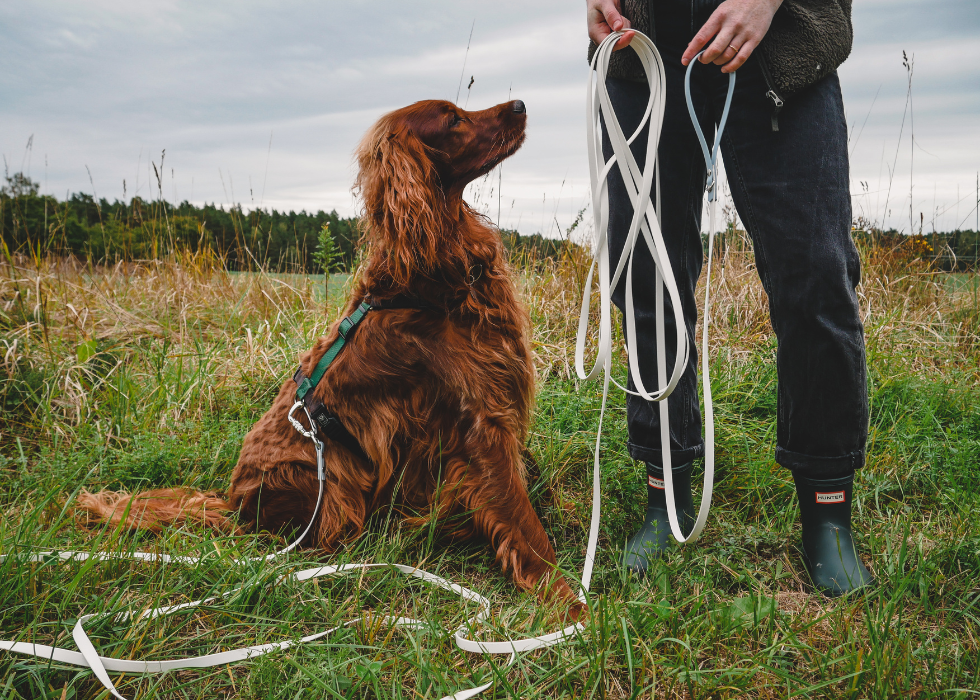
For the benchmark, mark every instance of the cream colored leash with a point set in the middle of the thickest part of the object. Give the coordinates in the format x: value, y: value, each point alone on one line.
x: 640, y: 183
x: 88, y: 657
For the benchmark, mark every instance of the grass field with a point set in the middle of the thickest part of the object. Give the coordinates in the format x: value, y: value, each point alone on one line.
x: 149, y: 375
x: 965, y: 281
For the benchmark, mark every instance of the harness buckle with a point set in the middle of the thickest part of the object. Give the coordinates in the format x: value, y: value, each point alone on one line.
x: 327, y: 423
x: 345, y: 327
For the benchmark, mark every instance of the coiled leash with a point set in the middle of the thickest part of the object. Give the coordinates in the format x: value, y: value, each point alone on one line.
x: 646, y: 221
x: 639, y: 184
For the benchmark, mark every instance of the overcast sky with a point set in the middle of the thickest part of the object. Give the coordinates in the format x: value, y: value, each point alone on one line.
x: 263, y: 103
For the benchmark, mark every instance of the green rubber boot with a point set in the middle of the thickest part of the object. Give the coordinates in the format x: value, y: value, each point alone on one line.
x: 653, y: 537
x: 829, y: 551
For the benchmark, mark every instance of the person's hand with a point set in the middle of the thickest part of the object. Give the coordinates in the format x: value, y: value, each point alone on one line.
x: 737, y: 27
x: 603, y: 18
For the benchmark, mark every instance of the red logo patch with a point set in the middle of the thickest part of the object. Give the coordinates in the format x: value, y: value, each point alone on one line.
x: 656, y: 483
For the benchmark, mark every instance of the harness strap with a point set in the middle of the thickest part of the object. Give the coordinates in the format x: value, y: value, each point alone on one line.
x: 348, y: 324
x: 403, y: 302
x: 324, y: 419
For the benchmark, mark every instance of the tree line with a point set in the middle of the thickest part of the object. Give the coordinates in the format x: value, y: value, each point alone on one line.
x: 105, y: 232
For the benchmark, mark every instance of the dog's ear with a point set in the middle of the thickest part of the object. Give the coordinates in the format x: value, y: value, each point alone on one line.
x: 404, y: 204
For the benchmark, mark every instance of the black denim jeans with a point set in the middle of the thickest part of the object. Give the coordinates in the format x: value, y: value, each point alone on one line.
x: 791, y: 190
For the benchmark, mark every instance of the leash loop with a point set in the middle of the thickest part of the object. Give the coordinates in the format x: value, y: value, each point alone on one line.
x: 710, y: 158
x: 643, y: 188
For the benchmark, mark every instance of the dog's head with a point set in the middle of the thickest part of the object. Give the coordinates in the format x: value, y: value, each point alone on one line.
x: 414, y: 165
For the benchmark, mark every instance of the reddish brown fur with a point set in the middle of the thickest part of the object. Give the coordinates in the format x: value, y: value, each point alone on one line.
x: 154, y: 510
x: 439, y: 400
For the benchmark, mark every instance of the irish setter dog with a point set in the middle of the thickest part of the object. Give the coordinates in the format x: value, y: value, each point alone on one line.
x: 439, y: 396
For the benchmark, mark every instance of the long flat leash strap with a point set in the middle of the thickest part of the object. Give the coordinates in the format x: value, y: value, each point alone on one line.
x: 87, y: 655
x: 640, y: 185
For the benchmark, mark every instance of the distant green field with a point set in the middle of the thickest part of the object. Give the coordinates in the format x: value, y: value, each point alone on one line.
x: 964, y: 280
x: 337, y: 279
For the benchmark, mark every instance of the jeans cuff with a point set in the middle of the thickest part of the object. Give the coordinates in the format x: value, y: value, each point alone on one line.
x: 654, y: 455
x: 820, y: 467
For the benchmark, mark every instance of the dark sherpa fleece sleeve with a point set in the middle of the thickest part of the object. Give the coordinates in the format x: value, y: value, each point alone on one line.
x: 808, y: 39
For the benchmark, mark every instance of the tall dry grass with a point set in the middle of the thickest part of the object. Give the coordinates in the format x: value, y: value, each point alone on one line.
x: 924, y: 320
x: 71, y: 332
x: 71, y: 328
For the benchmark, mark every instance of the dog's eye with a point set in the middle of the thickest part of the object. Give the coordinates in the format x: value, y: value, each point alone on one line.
x: 454, y: 120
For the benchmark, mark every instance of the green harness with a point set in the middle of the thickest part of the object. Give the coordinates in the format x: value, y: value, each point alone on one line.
x: 347, y: 325
x: 325, y: 420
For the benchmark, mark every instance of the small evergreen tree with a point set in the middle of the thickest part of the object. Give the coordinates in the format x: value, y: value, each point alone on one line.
x: 327, y: 257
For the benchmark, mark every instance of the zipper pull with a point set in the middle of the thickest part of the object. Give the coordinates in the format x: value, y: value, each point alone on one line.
x: 778, y: 105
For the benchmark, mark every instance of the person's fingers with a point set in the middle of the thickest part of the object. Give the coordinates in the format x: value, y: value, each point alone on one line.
x: 727, y: 55
x: 741, y: 57
x: 603, y: 18
x: 598, y: 29
x: 611, y: 14
x: 613, y: 17
x: 732, y: 33
x: 721, y: 43
x: 624, y: 40
x: 704, y: 34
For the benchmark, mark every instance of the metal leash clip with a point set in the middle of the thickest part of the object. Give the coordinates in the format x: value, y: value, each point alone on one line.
x: 318, y: 444
x: 311, y: 433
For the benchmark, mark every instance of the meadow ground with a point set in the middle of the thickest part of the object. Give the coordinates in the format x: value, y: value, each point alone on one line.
x: 147, y: 375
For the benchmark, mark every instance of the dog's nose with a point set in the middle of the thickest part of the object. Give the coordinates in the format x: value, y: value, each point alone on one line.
x: 519, y: 107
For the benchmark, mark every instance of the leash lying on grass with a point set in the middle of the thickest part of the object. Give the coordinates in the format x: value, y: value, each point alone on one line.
x: 88, y: 657
x: 639, y: 184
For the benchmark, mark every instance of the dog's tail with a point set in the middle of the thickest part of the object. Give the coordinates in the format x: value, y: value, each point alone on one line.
x: 154, y: 510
